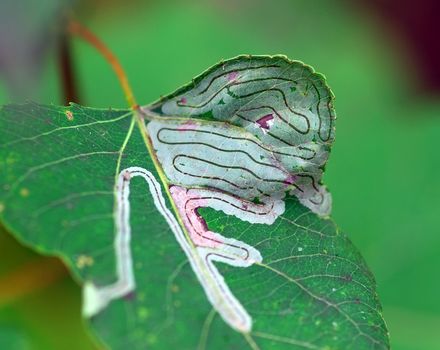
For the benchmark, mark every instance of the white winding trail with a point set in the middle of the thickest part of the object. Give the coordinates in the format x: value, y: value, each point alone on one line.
x: 202, y: 247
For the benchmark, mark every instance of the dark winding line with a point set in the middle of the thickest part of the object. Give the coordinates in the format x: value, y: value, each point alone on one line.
x: 248, y: 95
x: 319, y: 115
x: 209, y: 238
x: 223, y: 166
x: 285, y: 102
x: 214, y: 147
x: 278, y: 114
x: 312, y: 179
x: 233, y: 205
x: 283, y: 141
x: 274, y: 78
x: 245, y: 139
x: 236, y: 70
x: 269, y: 133
x: 318, y: 202
x: 221, y: 179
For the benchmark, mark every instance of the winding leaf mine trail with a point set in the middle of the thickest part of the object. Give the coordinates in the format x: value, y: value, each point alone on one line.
x: 272, y: 126
x: 243, y: 138
x: 203, y: 247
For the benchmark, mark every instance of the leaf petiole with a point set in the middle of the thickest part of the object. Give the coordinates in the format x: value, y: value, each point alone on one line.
x: 76, y: 28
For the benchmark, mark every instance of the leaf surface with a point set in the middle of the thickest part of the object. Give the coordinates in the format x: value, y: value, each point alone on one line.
x: 198, y: 221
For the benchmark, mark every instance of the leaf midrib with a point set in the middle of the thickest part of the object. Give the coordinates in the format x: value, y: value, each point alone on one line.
x: 165, y: 184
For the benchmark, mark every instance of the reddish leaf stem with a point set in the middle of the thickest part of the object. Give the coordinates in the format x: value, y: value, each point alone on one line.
x: 79, y: 30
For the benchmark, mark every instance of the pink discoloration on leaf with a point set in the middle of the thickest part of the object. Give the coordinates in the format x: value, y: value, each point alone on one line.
x: 232, y: 76
x: 193, y: 221
x: 127, y: 176
x: 290, y: 179
x: 188, y: 125
x: 182, y: 101
x: 266, y: 121
x: 201, y: 221
x: 130, y: 296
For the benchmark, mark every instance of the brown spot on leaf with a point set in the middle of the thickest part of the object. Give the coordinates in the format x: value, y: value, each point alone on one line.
x: 69, y: 116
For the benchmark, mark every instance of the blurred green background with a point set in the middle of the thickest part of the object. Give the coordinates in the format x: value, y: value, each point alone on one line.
x: 383, y: 171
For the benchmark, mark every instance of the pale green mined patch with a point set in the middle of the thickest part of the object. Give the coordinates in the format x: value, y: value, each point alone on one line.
x: 276, y: 116
x: 199, y: 221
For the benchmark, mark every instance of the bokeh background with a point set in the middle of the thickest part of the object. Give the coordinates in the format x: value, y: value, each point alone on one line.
x: 382, y: 60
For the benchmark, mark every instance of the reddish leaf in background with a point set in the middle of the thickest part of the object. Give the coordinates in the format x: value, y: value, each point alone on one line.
x: 417, y: 24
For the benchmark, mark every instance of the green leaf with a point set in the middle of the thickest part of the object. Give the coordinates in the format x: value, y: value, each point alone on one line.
x: 14, y: 339
x: 198, y: 221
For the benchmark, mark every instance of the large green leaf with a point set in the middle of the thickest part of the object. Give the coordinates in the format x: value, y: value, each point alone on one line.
x: 199, y: 221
